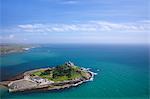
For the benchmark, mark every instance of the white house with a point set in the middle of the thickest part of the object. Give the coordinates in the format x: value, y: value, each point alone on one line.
x: 69, y: 63
x: 41, y: 81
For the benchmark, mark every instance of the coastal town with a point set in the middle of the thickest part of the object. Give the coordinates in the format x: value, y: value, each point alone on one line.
x: 59, y: 77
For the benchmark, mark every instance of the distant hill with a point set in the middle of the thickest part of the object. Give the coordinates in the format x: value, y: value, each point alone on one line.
x: 8, y: 48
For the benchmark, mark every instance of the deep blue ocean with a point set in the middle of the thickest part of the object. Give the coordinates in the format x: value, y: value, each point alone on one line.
x: 123, y: 70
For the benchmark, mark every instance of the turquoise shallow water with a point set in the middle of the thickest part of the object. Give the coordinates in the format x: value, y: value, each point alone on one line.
x: 123, y: 70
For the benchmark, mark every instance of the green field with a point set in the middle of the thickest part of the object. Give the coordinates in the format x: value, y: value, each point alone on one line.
x: 61, y: 73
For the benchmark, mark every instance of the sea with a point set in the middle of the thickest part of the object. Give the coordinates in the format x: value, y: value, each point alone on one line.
x: 122, y: 70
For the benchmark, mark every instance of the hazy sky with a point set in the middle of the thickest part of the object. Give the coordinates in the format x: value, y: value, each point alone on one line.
x: 75, y: 21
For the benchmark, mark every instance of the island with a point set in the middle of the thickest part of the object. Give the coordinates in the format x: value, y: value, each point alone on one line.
x: 59, y: 77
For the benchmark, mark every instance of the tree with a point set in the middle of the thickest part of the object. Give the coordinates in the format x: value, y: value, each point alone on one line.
x: 46, y: 72
x: 63, y: 70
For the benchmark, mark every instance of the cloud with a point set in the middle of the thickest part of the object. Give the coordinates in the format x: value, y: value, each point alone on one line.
x: 11, y: 36
x: 90, y: 26
x: 26, y: 26
x: 69, y: 2
x: 85, y: 32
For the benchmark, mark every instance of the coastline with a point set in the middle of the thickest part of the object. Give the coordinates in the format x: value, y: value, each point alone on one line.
x: 10, y: 49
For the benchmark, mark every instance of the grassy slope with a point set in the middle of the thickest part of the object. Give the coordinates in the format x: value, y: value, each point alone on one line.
x: 74, y: 75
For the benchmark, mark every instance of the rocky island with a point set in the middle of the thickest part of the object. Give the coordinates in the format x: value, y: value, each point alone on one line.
x: 59, y: 77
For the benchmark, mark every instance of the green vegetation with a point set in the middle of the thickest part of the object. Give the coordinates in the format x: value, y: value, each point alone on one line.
x: 6, y: 49
x: 61, y: 73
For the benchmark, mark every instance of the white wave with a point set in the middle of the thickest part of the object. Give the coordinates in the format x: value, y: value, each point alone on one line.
x: 26, y: 49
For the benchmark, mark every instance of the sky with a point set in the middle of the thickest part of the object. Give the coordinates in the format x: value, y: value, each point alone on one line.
x: 75, y: 21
